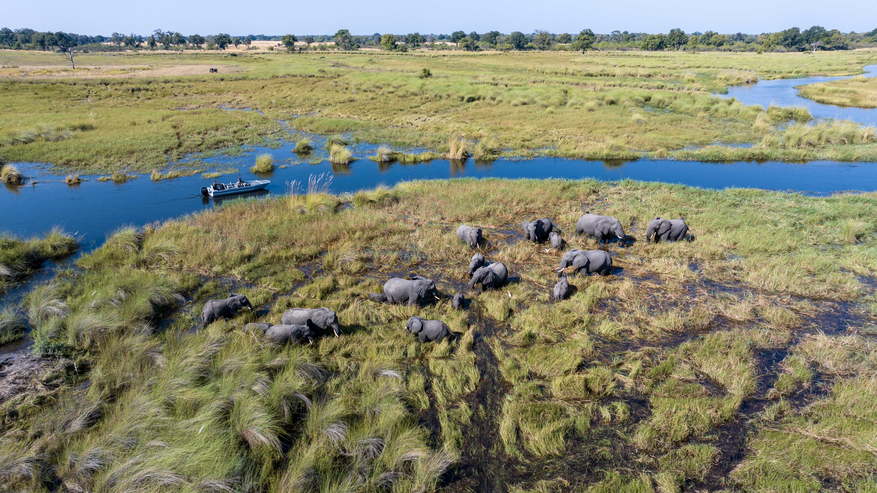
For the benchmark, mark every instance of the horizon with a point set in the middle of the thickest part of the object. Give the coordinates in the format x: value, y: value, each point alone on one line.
x: 557, y: 16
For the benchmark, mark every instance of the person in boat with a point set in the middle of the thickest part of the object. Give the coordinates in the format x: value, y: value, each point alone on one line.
x: 218, y: 186
x: 240, y: 182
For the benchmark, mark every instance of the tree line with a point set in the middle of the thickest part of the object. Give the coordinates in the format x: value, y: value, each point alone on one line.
x: 793, y: 39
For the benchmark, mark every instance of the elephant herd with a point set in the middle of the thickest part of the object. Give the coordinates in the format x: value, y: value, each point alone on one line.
x: 302, y: 324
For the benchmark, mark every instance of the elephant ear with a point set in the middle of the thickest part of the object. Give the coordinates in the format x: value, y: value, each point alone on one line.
x: 663, y: 227
x: 603, y: 227
x: 416, y: 325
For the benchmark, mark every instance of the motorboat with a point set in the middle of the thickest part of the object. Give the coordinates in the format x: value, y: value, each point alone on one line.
x: 224, y: 189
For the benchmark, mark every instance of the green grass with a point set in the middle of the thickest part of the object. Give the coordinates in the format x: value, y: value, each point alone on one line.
x: 858, y: 91
x: 264, y: 164
x: 641, y: 381
x: 596, y: 105
x: 21, y: 257
x: 176, y: 173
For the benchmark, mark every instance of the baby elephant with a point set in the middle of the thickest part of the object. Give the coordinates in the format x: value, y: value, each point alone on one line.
x: 428, y: 330
x: 215, y: 309
x: 601, y: 227
x: 538, y: 230
x: 589, y: 262
x: 289, y: 334
x: 667, y: 229
x: 491, y: 277
x: 459, y: 302
x: 411, y: 291
x: 561, y: 289
x: 556, y: 241
x: 469, y: 235
x: 323, y: 319
x: 476, y: 263
x: 254, y: 327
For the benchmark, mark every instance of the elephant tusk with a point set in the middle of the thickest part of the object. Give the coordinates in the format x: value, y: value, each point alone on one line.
x: 336, y: 335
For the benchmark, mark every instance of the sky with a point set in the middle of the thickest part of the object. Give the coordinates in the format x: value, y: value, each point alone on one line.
x: 273, y: 17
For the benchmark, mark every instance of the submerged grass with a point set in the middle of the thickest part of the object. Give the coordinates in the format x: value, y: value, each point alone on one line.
x: 641, y: 380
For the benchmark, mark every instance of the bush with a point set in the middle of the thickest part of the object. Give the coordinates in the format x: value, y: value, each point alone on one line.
x: 264, y: 164
x: 425, y: 74
x: 73, y: 180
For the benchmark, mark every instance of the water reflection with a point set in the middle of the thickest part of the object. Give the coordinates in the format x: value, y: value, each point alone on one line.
x: 784, y: 92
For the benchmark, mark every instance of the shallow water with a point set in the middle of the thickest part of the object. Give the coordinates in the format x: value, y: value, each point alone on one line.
x: 784, y: 92
x: 94, y: 209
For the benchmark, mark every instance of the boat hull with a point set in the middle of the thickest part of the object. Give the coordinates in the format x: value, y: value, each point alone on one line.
x: 232, y: 189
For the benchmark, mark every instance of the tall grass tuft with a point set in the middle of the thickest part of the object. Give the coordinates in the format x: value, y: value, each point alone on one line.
x: 303, y: 146
x: 10, y: 175
x: 12, y: 325
x: 73, y: 180
x: 827, y: 133
x: 385, y: 155
x: 486, y: 150
x: 457, y: 149
x: 338, y: 154
x: 264, y: 164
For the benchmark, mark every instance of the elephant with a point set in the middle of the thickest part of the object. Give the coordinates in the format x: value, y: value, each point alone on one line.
x: 601, y: 227
x: 469, y: 235
x: 538, y: 230
x: 289, y: 334
x: 561, y: 289
x: 667, y: 229
x: 491, y: 277
x: 591, y: 261
x: 476, y: 263
x: 398, y: 290
x: 227, y: 308
x: 260, y: 328
x: 555, y: 240
x: 428, y: 330
x: 459, y: 302
x: 320, y: 318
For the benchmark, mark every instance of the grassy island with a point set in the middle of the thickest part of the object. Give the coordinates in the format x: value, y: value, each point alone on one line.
x: 740, y: 361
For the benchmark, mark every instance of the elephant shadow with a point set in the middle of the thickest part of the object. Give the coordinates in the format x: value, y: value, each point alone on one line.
x: 349, y: 330
x: 616, y: 271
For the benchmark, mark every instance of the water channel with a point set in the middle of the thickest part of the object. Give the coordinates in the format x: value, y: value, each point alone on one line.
x: 93, y: 209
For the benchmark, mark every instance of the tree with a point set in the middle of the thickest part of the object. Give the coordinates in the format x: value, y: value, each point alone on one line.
x: 692, y: 41
x: 584, y: 41
x: 222, y: 40
x: 309, y: 40
x: 467, y: 44
x: 414, y: 40
x: 388, y: 42
x: 456, y: 36
x: 677, y: 38
x: 707, y: 37
x: 288, y: 41
x: 236, y: 41
x: 249, y: 39
x: 474, y: 36
x: 564, y: 39
x: 542, y: 40
x: 654, y: 42
x: 518, y: 40
x: 197, y: 40
x: 344, y: 41
x: 491, y: 38
x: 150, y: 41
x: 65, y: 45
x: 117, y: 39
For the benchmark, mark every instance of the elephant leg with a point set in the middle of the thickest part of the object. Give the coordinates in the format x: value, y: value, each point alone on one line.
x: 421, y: 337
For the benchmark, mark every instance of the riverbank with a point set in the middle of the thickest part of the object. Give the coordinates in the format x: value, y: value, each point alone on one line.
x: 856, y: 92
x: 615, y: 105
x: 694, y: 364
x: 20, y: 258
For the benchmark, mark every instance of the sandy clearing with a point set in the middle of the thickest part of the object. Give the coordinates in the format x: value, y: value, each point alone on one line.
x: 113, y: 71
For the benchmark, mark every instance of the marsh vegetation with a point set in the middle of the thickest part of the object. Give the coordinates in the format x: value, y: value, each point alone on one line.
x: 21, y: 257
x: 741, y: 360
x: 596, y: 105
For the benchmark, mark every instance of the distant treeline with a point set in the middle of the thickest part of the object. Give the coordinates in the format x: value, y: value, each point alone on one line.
x: 794, y: 39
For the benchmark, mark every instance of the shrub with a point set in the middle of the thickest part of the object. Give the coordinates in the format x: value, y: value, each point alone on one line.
x: 73, y: 180
x: 458, y: 150
x: 425, y: 74
x: 385, y: 155
x: 264, y: 164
